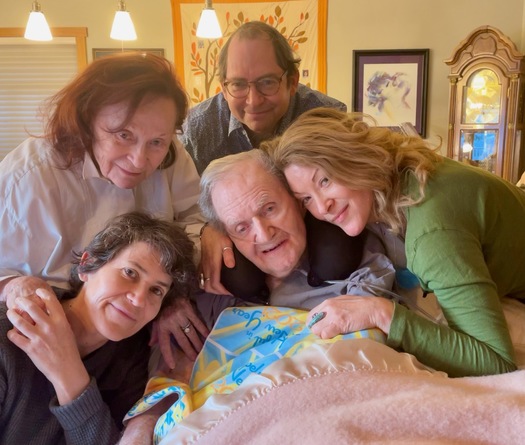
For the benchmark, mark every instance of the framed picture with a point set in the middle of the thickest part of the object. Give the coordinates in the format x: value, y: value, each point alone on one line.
x: 101, y: 52
x: 391, y: 86
x: 302, y: 22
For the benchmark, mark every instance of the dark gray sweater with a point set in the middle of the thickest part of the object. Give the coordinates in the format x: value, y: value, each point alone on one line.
x: 30, y: 414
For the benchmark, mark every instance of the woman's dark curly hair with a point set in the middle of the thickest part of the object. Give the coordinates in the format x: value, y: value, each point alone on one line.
x: 173, y: 246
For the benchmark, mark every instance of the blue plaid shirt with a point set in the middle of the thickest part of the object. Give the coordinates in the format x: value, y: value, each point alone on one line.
x: 211, y: 131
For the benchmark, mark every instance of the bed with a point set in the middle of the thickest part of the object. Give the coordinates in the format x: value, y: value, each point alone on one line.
x: 297, y: 389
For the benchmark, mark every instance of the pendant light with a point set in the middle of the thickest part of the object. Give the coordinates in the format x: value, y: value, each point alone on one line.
x: 37, y: 27
x: 208, y: 27
x: 122, y: 28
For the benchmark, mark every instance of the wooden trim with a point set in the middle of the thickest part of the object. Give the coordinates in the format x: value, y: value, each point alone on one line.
x: 79, y: 34
x: 322, y: 23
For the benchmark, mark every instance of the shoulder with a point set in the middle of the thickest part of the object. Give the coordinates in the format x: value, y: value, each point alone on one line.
x: 31, y: 162
x: 9, y: 353
x: 474, y: 182
x: 463, y: 199
x: 213, y: 108
x: 30, y: 155
x: 5, y: 324
x: 308, y: 98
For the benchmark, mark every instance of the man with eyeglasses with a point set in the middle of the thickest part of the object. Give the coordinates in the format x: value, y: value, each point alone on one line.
x: 260, y: 97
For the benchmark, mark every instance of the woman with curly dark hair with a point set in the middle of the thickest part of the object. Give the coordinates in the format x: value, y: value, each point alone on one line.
x: 70, y: 372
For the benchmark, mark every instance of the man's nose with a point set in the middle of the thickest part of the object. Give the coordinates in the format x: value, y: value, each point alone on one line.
x: 263, y: 231
x: 254, y: 97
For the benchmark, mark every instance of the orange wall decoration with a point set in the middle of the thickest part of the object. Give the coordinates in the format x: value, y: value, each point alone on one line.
x: 302, y: 22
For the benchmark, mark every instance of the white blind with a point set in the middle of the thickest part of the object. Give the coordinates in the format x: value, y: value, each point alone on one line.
x: 29, y: 74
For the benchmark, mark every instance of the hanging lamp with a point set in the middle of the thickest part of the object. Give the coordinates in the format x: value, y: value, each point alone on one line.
x: 37, y: 27
x: 208, y: 27
x: 122, y: 28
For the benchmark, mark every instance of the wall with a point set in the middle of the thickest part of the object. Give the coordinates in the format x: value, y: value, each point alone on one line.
x: 439, y: 26
x: 152, y: 20
x: 352, y: 24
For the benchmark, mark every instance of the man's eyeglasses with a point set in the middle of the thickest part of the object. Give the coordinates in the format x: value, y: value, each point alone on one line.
x: 267, y: 86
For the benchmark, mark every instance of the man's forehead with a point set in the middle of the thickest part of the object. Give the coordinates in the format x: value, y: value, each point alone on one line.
x: 242, y: 195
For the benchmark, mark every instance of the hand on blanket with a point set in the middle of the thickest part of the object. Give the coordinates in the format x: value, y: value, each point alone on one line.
x: 139, y: 430
x: 175, y: 320
x: 49, y: 342
x: 216, y: 248
x: 348, y: 313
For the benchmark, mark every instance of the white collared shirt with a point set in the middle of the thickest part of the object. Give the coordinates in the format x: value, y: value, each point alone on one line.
x: 46, y: 212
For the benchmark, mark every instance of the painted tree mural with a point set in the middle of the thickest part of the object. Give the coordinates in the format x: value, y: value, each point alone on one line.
x: 204, y: 56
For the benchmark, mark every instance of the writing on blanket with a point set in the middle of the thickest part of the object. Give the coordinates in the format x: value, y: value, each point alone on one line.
x: 276, y: 335
x: 237, y: 375
x: 270, y: 331
x: 252, y: 317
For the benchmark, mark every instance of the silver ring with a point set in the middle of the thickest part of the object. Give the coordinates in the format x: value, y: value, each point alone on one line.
x: 186, y: 329
x: 226, y: 248
x: 202, y: 281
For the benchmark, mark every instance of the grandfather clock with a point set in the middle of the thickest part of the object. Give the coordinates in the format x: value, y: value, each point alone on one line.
x: 486, y: 119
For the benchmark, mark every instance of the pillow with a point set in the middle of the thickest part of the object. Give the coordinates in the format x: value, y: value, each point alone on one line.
x: 332, y: 254
x: 245, y: 280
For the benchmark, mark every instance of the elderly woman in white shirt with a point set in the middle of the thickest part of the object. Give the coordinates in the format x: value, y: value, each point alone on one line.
x: 109, y: 148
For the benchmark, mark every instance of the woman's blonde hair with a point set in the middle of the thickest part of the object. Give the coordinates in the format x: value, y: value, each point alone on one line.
x: 358, y: 156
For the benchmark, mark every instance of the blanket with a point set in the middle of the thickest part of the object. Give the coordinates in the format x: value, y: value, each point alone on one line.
x: 359, y: 391
x: 243, y: 342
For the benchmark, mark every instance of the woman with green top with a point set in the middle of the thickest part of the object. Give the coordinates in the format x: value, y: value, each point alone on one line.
x: 462, y: 228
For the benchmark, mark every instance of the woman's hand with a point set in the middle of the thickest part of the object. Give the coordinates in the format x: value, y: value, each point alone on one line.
x: 182, y: 321
x: 139, y: 430
x: 23, y: 287
x: 348, y: 313
x: 215, y: 248
x: 50, y: 343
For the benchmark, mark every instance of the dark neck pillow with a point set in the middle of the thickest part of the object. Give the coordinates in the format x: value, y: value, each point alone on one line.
x: 332, y: 255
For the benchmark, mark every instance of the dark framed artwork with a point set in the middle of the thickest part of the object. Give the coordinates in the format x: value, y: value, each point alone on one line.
x: 101, y: 52
x: 391, y: 86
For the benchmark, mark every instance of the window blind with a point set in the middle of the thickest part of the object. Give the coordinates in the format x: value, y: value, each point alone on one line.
x: 29, y: 74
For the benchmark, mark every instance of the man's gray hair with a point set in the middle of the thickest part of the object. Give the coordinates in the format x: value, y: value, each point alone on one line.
x: 220, y: 169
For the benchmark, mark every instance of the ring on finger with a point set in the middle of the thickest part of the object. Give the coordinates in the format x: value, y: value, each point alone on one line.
x: 318, y: 316
x: 224, y: 249
x: 186, y: 329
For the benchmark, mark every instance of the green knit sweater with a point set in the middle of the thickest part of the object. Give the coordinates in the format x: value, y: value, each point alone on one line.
x: 466, y: 243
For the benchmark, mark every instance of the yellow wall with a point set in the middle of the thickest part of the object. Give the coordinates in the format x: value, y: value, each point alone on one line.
x: 352, y: 24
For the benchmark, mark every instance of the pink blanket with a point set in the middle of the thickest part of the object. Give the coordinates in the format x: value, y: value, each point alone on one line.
x: 360, y: 391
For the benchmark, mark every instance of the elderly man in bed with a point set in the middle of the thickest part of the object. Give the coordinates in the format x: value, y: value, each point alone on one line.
x: 245, y: 198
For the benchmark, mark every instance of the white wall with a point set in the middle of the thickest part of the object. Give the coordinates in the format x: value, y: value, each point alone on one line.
x: 152, y: 20
x: 438, y: 25
x: 352, y: 24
